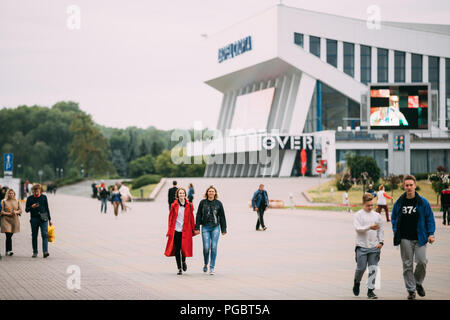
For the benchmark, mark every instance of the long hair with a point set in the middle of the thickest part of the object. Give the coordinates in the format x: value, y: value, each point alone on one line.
x: 7, y: 195
x: 216, y: 196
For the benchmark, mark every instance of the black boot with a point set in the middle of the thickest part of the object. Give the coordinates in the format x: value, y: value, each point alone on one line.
x: 180, y: 272
x: 371, y: 294
x: 356, y: 288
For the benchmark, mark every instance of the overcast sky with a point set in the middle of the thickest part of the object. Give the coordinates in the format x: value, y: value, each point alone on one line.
x: 136, y: 62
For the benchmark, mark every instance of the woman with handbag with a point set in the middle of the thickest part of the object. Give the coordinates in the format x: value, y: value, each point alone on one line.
x: 37, y: 205
x: 181, y: 230
x: 10, y: 223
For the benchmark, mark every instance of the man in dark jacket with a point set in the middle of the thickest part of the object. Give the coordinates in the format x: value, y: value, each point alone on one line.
x: 260, y: 203
x: 172, y: 193
x: 37, y: 205
x: 413, y: 226
x: 445, y: 204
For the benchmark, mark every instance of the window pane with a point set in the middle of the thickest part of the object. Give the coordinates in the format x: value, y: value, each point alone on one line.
x: 332, y: 52
x: 416, y: 67
x: 298, y: 39
x: 447, y: 91
x: 314, y: 45
x: 399, y: 63
x: 433, y: 72
x: 349, y: 58
x: 366, y: 63
x: 382, y: 65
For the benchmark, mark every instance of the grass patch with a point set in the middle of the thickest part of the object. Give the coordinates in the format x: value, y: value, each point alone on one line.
x: 355, y: 194
x: 148, y: 189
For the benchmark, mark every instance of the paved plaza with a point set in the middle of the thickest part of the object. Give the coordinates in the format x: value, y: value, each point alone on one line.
x: 304, y: 254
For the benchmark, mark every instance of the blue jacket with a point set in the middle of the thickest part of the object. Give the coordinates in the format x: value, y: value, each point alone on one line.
x: 257, y: 198
x: 425, y: 225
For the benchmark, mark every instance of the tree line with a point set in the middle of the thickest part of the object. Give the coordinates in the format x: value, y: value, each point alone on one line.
x: 64, y: 142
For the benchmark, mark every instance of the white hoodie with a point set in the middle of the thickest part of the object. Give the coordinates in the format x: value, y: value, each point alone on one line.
x: 365, y: 237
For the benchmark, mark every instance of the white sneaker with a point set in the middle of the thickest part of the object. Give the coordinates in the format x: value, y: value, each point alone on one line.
x: 9, y: 253
x: 211, y: 272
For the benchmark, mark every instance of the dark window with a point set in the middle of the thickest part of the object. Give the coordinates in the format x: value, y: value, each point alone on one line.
x: 383, y: 63
x: 433, y: 72
x: 399, y: 66
x: 366, y: 64
x: 314, y: 45
x: 349, y: 58
x: 332, y: 52
x: 298, y: 39
x: 416, y: 67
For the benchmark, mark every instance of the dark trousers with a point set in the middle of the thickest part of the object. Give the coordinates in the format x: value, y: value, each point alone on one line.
x: 386, y: 210
x: 446, y: 214
x: 9, y: 241
x: 260, y: 220
x: 178, y: 254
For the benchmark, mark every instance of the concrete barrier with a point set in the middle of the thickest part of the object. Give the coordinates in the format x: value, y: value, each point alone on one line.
x: 158, y: 188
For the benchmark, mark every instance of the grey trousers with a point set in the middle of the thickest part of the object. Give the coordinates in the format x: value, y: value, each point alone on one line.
x: 409, y: 249
x: 367, y: 257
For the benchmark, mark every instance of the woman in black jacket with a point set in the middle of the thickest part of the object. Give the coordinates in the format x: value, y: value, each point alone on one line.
x: 211, y: 216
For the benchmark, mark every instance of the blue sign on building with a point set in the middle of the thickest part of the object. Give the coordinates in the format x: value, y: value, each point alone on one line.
x: 8, y: 163
x: 235, y: 49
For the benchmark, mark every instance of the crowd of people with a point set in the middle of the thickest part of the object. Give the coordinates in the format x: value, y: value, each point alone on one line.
x: 117, y: 194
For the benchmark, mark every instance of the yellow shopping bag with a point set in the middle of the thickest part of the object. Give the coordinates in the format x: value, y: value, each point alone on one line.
x: 51, y: 233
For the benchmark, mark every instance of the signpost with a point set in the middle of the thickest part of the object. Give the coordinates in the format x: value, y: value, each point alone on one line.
x: 8, y: 164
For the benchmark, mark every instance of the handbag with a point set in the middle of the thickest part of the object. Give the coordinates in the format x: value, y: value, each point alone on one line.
x: 43, y: 216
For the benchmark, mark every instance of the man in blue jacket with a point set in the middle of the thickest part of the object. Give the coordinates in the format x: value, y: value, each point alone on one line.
x: 260, y: 203
x: 413, y: 225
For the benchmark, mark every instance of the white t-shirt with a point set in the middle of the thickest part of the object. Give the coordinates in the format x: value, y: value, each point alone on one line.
x: 366, y: 237
x: 180, y: 219
x: 381, y: 198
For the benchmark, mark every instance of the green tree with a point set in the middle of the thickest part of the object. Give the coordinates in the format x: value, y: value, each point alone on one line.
x: 360, y: 164
x: 142, y: 166
x: 89, y: 148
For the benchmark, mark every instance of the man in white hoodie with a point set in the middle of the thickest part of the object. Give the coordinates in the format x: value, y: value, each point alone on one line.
x: 369, y: 241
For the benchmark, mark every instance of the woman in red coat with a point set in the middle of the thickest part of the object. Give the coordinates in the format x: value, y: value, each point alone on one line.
x: 181, y: 230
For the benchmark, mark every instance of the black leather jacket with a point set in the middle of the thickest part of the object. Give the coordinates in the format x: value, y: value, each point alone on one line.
x: 211, y: 214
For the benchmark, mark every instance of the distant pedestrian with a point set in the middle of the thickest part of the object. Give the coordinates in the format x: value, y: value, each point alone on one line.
x: 191, y: 192
x: 3, y: 192
x: 172, y: 192
x: 345, y: 201
x: 381, y: 201
x: 116, y: 199
x: 371, y: 191
x: 413, y: 226
x: 181, y: 230
x: 11, y: 210
x: 103, y: 195
x: 94, y: 190
x: 369, y: 241
x: 260, y: 203
x: 37, y: 205
x: 30, y: 189
x: 211, y: 216
x: 445, y: 204
x: 125, y: 196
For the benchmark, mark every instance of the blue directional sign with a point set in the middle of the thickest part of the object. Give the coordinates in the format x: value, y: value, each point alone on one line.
x: 8, y: 163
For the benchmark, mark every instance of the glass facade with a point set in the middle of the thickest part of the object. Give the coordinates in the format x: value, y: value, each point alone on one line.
x: 427, y: 161
x: 433, y: 72
x: 314, y: 45
x: 366, y: 64
x: 298, y: 39
x: 380, y: 157
x: 338, y: 110
x: 399, y: 66
x: 416, y: 67
x: 332, y: 52
x: 383, y: 63
x: 349, y: 59
x: 447, y: 90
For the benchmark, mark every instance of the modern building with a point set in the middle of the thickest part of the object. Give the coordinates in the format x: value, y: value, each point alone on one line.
x: 306, y: 73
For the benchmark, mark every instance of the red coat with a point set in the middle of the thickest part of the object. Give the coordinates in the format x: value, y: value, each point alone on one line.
x: 188, y: 230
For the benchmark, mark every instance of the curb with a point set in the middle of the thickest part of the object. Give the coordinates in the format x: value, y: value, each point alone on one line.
x: 158, y: 188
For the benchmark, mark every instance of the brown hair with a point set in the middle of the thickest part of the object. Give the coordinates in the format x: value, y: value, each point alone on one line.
x: 409, y: 177
x: 367, y: 197
x: 37, y: 186
x: 216, y: 196
x: 381, y: 187
x: 178, y: 190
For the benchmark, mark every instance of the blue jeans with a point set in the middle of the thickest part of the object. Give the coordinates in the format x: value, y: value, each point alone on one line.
x: 36, y: 223
x: 210, y: 237
x: 104, y: 202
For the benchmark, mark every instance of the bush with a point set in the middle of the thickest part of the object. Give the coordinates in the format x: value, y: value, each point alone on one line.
x: 360, y: 164
x: 421, y: 176
x: 145, y: 180
x: 344, y: 183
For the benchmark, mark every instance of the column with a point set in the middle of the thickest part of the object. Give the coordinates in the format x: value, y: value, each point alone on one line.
x: 408, y: 67
x: 357, y: 62
x: 391, y: 70
x: 340, y: 56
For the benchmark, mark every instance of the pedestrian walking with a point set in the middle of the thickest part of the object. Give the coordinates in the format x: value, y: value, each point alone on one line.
x: 3, y: 192
x: 260, y: 203
x: 116, y: 199
x: 172, y: 192
x: 381, y: 201
x: 181, y: 230
x: 369, y: 241
x: 94, y: 190
x: 413, y: 226
x: 345, y: 201
x: 211, y: 216
x: 11, y: 210
x: 191, y: 192
x: 445, y: 205
x: 30, y: 189
x: 103, y: 195
x: 37, y: 205
x: 371, y: 191
x: 125, y: 196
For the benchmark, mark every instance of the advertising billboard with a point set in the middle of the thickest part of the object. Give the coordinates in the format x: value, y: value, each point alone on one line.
x: 399, y: 107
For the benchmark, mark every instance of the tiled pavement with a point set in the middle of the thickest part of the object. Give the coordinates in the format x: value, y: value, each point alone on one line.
x: 302, y: 255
